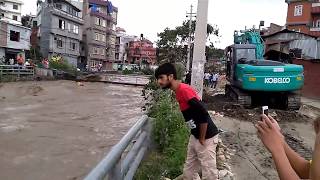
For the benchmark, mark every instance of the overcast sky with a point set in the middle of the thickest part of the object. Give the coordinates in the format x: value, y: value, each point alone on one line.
x: 152, y: 16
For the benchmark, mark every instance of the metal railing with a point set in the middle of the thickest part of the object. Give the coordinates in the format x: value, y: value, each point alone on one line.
x: 114, y: 166
x: 16, y: 70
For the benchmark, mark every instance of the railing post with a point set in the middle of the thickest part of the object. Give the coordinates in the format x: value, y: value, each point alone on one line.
x: 1, y: 73
x: 115, y: 173
x: 19, y: 72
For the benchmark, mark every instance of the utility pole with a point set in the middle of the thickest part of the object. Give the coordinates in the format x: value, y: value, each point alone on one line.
x: 191, y: 15
x: 199, y: 57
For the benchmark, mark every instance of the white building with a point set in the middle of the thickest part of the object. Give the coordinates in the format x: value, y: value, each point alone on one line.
x: 10, y: 11
x: 14, y: 41
x: 122, y: 43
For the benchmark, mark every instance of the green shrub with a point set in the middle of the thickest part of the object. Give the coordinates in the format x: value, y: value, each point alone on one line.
x: 148, y: 71
x: 127, y: 71
x: 170, y: 136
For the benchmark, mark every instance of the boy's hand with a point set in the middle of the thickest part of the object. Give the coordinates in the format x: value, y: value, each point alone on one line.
x: 270, y: 135
x: 202, y: 142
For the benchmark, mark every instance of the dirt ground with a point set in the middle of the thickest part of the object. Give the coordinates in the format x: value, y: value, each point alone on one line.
x: 60, y: 130
x: 251, y: 160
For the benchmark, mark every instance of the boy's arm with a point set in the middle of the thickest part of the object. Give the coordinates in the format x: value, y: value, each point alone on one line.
x: 203, y: 119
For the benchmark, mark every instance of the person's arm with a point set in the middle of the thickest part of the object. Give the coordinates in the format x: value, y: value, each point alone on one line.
x: 300, y: 165
x: 315, y: 173
x: 273, y: 141
x: 315, y: 167
x: 285, y: 171
x: 203, y: 113
x: 203, y: 132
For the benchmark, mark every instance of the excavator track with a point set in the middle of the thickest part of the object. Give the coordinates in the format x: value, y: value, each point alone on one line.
x: 294, y: 101
x: 242, y: 98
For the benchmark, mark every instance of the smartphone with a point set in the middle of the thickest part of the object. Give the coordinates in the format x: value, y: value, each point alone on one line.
x: 265, y: 110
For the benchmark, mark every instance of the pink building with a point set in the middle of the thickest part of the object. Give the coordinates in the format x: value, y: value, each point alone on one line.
x: 142, y: 51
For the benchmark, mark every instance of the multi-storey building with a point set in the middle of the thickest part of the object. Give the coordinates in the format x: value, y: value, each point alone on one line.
x: 10, y: 11
x: 304, y: 16
x: 142, y: 52
x: 122, y: 45
x: 99, y: 35
x: 59, y: 29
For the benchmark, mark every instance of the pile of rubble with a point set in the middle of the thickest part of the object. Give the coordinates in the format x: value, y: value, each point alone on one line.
x: 223, y: 156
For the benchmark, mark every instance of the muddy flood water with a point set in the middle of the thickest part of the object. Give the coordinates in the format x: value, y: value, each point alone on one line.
x: 60, y: 130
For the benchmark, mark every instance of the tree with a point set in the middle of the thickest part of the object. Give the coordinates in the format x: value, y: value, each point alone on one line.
x: 172, y: 43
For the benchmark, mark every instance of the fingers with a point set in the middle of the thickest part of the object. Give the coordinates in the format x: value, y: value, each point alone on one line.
x: 260, y: 129
x: 272, y: 119
x: 269, y: 123
x: 263, y: 124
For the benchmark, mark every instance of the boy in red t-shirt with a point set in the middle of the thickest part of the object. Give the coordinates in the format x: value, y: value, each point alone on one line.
x: 204, y: 134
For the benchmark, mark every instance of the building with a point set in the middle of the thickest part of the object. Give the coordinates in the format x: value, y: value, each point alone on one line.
x: 14, y: 41
x: 304, y: 16
x: 122, y: 45
x: 142, y: 52
x: 99, y: 35
x: 281, y: 44
x: 10, y: 11
x: 59, y: 29
x: 272, y: 29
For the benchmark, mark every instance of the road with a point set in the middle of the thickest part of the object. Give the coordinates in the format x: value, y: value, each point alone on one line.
x: 60, y: 130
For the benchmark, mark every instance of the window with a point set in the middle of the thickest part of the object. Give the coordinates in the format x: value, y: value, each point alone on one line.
x: 14, y: 36
x: 96, y: 36
x: 73, y: 45
x: 95, y: 50
x: 61, y: 24
x: 298, y: 10
x: 59, y: 6
x: 75, y: 29
x: 69, y: 27
x: 102, y: 52
x: 34, y: 24
x: 69, y: 9
x: 15, y: 6
x: 318, y: 23
x: 103, y: 37
x: 97, y: 22
x: 104, y: 23
x: 14, y: 17
x: 59, y: 42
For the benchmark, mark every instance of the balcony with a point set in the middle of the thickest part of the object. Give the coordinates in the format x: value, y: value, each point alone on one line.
x: 315, y: 29
x: 98, y: 2
x: 68, y: 16
x: 101, y: 14
x: 315, y: 8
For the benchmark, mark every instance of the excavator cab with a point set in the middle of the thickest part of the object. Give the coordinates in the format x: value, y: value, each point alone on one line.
x: 238, y: 54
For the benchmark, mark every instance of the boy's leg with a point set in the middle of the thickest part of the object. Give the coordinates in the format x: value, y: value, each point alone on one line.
x: 192, y: 165
x: 207, y: 158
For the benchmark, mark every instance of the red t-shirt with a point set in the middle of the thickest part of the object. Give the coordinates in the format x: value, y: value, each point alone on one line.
x: 183, y: 94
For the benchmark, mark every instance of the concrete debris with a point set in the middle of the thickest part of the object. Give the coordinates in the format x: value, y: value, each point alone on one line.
x: 223, y: 155
x: 225, y: 175
x: 217, y: 114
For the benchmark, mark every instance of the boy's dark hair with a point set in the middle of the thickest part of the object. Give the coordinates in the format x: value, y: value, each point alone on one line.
x: 166, y: 69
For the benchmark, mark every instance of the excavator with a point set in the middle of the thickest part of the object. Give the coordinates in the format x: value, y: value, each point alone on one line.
x: 254, y: 81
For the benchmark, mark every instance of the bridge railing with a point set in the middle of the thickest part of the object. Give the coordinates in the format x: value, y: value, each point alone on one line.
x: 16, y: 70
x: 116, y: 167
